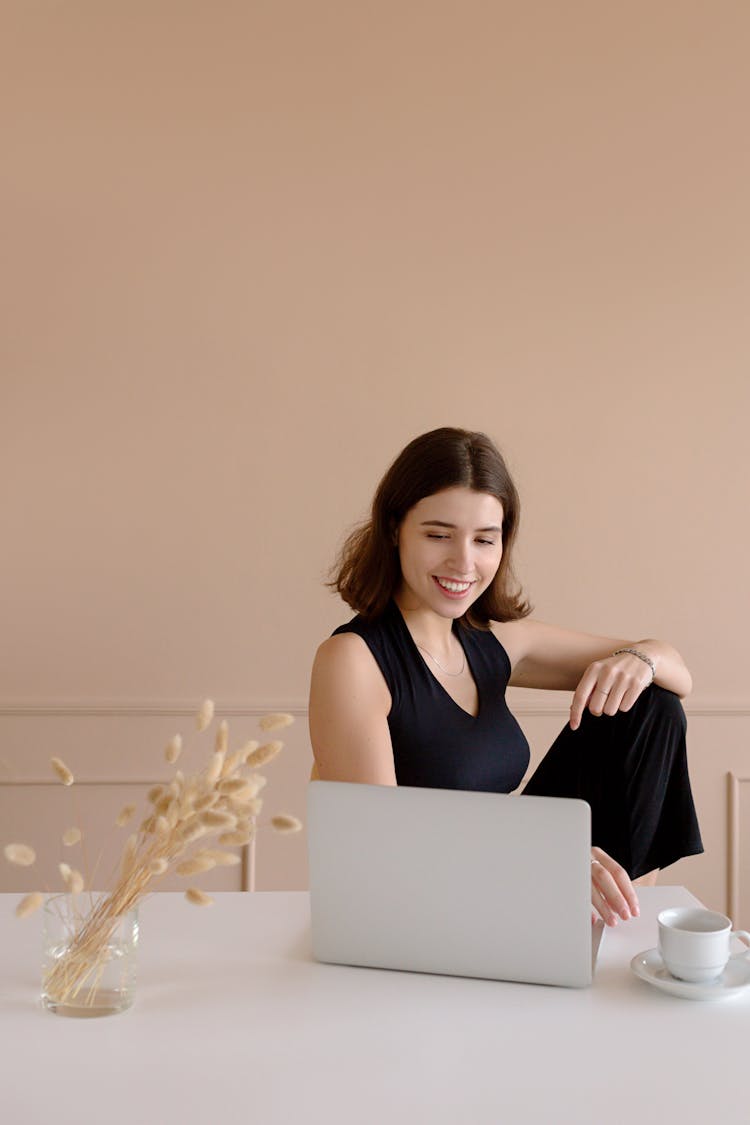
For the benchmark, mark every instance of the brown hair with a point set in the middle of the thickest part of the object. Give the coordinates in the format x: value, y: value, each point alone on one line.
x: 367, y: 572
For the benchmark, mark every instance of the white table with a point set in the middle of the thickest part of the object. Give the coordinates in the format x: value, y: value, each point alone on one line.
x: 233, y: 1022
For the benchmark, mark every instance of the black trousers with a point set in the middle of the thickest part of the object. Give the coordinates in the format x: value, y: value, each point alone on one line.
x: 631, y: 768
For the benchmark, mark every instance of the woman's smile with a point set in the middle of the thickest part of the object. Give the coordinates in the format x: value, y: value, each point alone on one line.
x: 451, y: 587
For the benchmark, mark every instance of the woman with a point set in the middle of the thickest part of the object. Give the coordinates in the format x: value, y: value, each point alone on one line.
x: 412, y: 690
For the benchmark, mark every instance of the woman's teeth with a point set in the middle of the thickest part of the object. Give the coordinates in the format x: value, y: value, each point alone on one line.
x: 453, y: 587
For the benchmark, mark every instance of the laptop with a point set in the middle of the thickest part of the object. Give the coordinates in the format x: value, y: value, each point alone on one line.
x: 448, y: 881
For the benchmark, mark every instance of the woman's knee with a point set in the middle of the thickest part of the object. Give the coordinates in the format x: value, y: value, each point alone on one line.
x: 656, y: 704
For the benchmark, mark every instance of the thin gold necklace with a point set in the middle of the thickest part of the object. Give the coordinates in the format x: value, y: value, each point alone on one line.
x: 440, y: 666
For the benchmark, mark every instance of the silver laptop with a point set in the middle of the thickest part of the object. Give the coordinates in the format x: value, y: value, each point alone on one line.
x: 447, y: 881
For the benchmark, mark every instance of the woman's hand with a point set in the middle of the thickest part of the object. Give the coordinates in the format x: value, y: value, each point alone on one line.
x: 610, y: 685
x: 612, y: 893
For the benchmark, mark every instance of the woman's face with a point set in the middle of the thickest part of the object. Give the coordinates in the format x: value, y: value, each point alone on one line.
x: 450, y: 546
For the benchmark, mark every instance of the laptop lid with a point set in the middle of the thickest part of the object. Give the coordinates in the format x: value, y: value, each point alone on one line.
x: 449, y: 881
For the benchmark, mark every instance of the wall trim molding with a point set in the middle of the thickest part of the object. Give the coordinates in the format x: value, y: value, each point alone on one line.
x: 136, y: 708
x: 734, y: 828
x: 180, y: 708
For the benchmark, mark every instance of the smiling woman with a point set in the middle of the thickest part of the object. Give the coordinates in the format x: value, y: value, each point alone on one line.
x: 453, y: 541
x: 412, y: 690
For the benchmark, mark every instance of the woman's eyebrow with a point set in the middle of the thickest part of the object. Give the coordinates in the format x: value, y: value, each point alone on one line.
x: 442, y: 523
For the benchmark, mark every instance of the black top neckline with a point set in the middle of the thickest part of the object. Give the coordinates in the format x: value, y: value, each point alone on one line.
x: 398, y: 615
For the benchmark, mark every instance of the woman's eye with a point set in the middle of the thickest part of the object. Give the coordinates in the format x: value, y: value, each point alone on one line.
x: 486, y: 542
x: 434, y: 535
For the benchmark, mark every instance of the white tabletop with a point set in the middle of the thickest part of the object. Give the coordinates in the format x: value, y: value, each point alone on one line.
x: 233, y: 1022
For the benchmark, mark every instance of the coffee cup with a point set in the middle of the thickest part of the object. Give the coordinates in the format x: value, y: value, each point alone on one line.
x: 695, y: 944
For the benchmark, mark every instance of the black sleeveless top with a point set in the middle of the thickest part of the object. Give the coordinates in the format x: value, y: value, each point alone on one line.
x: 436, y: 744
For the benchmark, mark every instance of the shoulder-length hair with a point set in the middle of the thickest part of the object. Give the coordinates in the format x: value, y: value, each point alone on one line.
x: 367, y: 572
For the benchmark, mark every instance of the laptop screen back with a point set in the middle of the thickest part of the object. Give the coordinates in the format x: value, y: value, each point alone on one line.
x: 447, y: 881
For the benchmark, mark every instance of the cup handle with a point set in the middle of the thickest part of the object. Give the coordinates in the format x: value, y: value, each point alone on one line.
x: 746, y: 938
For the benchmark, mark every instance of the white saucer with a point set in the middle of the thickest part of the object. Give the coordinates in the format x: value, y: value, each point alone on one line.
x: 734, y: 980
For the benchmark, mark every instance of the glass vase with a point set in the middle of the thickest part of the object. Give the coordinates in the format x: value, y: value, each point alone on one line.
x: 88, y: 955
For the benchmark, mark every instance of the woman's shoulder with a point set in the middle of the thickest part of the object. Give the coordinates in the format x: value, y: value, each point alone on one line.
x: 344, y: 644
x: 349, y: 649
x: 514, y: 636
x: 344, y: 667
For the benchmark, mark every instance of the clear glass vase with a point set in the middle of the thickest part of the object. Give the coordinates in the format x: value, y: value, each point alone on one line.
x: 88, y: 955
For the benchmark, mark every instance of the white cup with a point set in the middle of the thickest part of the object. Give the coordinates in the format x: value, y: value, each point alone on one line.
x: 695, y: 944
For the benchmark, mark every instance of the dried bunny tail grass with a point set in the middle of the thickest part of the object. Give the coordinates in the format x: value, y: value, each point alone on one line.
x: 155, y: 793
x: 222, y: 738
x: 158, y: 866
x: 213, y: 769
x: 232, y: 785
x: 206, y: 801
x: 232, y: 762
x: 241, y: 796
x: 22, y: 854
x: 221, y: 859
x: 284, y: 823
x: 248, y: 808
x: 176, y: 786
x: 214, y: 818
x: 198, y: 897
x: 162, y: 827
x: 128, y: 856
x: 174, y: 749
x: 125, y: 815
x: 62, y: 771
x: 72, y: 879
x: 251, y: 787
x: 276, y: 720
x: 182, y: 809
x: 174, y: 814
x: 191, y: 830
x: 263, y: 754
x: 196, y: 865
x: 249, y: 748
x: 162, y: 804
x: 205, y: 715
x: 72, y: 836
x: 236, y: 839
x: 28, y: 904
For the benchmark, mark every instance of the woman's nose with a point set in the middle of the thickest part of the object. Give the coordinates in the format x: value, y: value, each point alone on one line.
x: 461, y: 557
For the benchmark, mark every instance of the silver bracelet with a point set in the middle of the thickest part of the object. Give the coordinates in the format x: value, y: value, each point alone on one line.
x: 641, y: 656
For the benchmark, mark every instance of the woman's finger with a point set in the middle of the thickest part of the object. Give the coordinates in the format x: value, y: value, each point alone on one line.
x: 600, y: 698
x: 614, y: 884
x: 613, y: 700
x: 630, y: 696
x: 580, y: 699
x: 601, y: 906
x: 583, y: 696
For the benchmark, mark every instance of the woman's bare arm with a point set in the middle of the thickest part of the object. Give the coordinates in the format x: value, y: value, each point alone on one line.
x: 349, y: 705
x: 546, y: 656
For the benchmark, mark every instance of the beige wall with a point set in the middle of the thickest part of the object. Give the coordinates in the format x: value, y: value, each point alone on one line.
x: 251, y: 249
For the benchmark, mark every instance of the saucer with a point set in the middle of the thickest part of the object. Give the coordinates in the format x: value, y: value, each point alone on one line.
x: 734, y: 980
